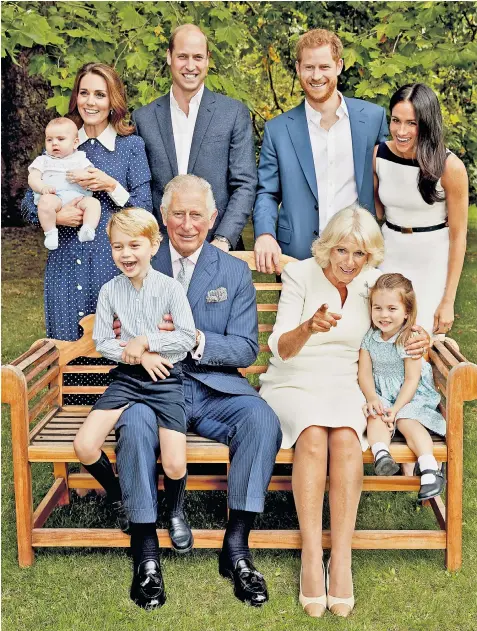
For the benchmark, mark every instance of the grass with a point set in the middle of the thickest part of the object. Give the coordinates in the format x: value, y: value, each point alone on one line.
x: 76, y: 590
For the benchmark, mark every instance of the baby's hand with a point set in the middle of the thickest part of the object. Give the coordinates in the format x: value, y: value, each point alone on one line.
x: 134, y: 349
x: 155, y: 365
x: 373, y: 407
x: 48, y: 190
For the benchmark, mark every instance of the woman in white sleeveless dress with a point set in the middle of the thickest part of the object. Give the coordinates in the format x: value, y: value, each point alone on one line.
x: 422, y: 192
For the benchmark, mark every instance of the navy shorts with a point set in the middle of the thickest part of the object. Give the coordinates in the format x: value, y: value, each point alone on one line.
x: 165, y: 397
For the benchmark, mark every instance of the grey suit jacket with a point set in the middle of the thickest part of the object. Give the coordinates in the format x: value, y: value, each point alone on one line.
x: 222, y: 153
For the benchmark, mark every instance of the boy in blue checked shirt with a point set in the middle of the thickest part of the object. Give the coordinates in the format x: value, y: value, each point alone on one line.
x: 149, y: 371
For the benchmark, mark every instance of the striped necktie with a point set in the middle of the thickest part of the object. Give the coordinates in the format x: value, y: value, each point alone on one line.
x: 183, y: 276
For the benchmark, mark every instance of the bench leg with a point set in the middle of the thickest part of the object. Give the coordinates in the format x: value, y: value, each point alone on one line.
x: 454, y: 515
x: 24, y: 512
x: 60, y: 470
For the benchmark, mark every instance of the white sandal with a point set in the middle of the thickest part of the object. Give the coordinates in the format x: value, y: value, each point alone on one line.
x: 312, y: 600
x: 332, y: 601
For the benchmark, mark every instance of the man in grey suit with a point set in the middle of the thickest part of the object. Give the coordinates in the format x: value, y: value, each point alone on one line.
x: 194, y: 130
x: 220, y: 404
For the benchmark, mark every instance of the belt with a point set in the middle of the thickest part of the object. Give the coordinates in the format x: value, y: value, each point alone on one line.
x: 411, y: 230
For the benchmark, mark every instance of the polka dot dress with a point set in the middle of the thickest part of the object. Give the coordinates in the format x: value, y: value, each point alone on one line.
x: 75, y: 272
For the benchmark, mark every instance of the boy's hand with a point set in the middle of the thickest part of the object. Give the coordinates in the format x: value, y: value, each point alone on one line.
x: 373, y: 407
x: 155, y: 365
x: 134, y: 349
x: 48, y: 190
x: 167, y: 323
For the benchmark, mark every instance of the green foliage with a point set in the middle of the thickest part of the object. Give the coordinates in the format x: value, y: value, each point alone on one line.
x: 387, y: 44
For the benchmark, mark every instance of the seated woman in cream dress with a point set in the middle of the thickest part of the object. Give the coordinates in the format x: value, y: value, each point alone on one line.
x: 312, y: 386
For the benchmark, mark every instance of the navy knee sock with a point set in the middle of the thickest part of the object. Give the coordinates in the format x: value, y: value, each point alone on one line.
x: 102, y: 471
x: 144, y: 543
x: 235, y: 545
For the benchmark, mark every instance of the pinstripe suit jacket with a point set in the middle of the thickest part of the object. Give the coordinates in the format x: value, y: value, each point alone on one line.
x: 222, y: 152
x: 230, y: 326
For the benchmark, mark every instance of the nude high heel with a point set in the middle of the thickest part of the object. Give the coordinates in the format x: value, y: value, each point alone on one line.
x: 314, y: 600
x: 332, y: 601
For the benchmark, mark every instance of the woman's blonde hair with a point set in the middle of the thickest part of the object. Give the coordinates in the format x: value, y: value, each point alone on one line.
x: 135, y: 222
x: 355, y: 223
x: 393, y: 282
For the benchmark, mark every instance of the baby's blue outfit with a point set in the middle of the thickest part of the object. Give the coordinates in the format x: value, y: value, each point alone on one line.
x: 53, y: 171
x: 388, y: 373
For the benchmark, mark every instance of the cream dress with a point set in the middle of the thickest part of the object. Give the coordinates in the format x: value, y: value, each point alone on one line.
x: 319, y: 386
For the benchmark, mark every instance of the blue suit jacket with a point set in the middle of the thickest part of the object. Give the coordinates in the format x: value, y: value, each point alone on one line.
x: 230, y: 326
x: 222, y: 152
x: 286, y: 174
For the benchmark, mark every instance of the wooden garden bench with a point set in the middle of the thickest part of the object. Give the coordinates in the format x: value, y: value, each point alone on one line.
x: 43, y: 428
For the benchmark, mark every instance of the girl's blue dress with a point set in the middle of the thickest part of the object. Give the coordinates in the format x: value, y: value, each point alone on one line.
x: 75, y: 272
x: 388, y: 372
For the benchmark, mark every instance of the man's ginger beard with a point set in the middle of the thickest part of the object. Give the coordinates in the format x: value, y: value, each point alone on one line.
x: 330, y: 88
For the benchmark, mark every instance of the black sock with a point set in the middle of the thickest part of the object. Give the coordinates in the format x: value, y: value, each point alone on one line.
x: 144, y: 543
x: 174, y: 491
x: 102, y: 471
x: 235, y: 545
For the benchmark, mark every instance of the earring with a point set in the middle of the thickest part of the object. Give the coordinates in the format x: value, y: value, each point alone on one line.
x: 111, y: 112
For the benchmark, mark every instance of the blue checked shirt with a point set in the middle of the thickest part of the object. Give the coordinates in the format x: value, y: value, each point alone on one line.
x: 140, y: 312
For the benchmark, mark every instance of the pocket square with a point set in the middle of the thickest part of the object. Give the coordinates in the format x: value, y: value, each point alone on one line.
x: 216, y: 295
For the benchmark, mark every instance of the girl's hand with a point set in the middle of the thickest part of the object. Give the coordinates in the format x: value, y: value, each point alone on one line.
x: 444, y: 317
x: 156, y: 365
x: 373, y: 408
x: 134, y: 349
x: 389, y: 417
x: 70, y: 215
x: 92, y: 179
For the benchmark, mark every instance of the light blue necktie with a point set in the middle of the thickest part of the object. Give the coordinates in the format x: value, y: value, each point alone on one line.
x: 183, y: 276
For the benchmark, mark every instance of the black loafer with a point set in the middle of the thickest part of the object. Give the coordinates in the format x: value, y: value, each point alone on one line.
x: 249, y: 584
x: 147, y: 588
x: 433, y: 489
x: 181, y: 535
x: 121, y: 517
x: 386, y: 465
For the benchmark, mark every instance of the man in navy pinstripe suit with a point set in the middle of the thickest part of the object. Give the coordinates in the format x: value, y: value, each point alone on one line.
x: 220, y: 403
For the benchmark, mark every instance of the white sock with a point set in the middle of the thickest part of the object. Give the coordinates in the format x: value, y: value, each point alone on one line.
x: 379, y: 447
x: 427, y: 461
x: 51, y: 239
x: 86, y: 233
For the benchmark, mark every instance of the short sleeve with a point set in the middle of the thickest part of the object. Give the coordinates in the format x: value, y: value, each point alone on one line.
x: 38, y: 163
x: 367, y: 339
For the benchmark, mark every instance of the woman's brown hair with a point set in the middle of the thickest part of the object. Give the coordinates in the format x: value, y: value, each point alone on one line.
x: 403, y: 285
x: 116, y: 93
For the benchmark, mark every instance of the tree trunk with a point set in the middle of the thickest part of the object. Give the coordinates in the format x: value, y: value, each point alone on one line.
x: 24, y: 118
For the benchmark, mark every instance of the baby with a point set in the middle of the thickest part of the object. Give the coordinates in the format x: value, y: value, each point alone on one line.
x: 47, y: 179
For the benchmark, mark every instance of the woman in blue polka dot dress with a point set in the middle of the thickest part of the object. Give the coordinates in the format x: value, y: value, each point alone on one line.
x: 76, y: 271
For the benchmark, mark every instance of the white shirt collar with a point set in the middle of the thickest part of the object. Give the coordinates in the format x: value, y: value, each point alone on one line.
x: 194, y: 102
x: 315, y: 116
x: 175, y: 256
x: 107, y: 137
x: 377, y: 337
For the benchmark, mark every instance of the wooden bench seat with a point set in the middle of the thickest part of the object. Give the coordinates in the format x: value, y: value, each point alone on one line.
x: 43, y: 429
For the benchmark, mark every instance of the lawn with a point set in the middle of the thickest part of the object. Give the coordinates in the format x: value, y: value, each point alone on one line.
x: 87, y: 590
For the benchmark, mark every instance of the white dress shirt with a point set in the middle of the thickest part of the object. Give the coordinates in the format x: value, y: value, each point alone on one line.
x: 333, y: 159
x: 108, y: 139
x: 189, y: 264
x: 183, y: 128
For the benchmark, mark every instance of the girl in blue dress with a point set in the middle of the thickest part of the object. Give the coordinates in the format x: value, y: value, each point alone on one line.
x: 76, y: 271
x: 399, y: 390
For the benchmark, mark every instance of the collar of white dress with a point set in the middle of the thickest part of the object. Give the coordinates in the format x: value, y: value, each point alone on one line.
x: 107, y: 137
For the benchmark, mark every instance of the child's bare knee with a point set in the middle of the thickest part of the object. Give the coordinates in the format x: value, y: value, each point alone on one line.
x: 85, y: 448
x: 48, y: 204
x: 174, y: 467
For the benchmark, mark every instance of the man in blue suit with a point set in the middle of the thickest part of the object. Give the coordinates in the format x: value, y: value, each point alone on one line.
x: 194, y: 130
x: 316, y: 159
x: 220, y: 403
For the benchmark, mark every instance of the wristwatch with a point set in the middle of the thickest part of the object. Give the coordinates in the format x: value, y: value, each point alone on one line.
x: 219, y: 237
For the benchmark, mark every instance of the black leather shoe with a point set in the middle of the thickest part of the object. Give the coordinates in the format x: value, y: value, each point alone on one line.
x: 180, y: 533
x: 433, y: 489
x: 147, y: 588
x: 121, y: 517
x: 249, y: 585
x: 385, y: 465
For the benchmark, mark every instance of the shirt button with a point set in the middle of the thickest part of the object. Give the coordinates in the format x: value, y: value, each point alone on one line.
x: 81, y: 313
x: 92, y: 141
x: 79, y: 287
x: 78, y: 261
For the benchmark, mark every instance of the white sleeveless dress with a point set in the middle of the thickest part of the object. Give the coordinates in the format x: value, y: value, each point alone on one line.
x: 423, y: 256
